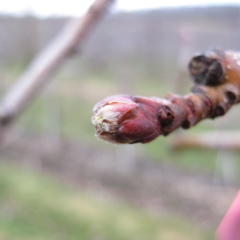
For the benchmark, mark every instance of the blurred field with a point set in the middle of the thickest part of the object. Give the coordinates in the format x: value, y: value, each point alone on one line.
x: 57, y: 181
x: 37, y: 207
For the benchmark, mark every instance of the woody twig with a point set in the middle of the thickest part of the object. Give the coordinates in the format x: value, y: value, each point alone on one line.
x: 133, y: 119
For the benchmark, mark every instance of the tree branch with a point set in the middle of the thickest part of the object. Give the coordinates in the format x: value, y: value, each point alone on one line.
x: 132, y: 119
x: 45, y: 64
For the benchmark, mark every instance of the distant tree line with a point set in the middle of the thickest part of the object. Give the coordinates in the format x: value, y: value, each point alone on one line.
x: 147, y: 40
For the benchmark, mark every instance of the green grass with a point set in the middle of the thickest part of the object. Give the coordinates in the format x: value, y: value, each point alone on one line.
x: 36, y: 207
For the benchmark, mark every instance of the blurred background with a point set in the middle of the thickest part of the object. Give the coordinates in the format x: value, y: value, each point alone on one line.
x: 58, y: 181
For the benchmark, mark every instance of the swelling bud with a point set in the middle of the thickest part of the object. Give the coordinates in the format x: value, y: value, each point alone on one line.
x: 122, y: 119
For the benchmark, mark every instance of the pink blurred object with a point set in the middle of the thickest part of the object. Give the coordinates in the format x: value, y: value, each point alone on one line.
x: 229, y: 228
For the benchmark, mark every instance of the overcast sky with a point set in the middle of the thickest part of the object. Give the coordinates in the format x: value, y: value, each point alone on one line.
x: 78, y: 7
